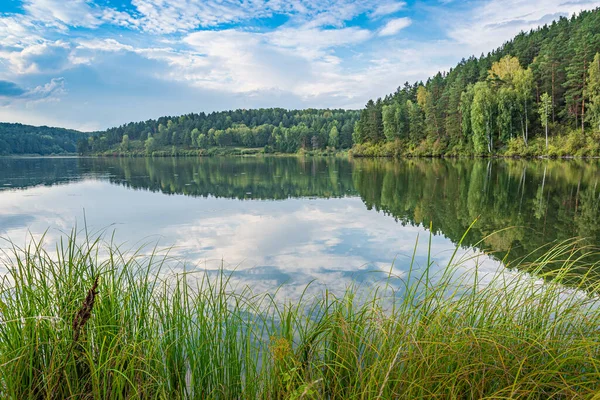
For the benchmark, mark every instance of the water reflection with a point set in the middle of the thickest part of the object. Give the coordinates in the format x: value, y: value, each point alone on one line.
x: 337, y: 220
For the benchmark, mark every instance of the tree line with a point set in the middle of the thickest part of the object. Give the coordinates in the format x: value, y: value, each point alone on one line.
x: 43, y: 140
x: 273, y: 129
x: 538, y: 93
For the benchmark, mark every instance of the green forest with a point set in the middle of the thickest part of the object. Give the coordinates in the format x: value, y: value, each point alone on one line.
x: 538, y: 94
x: 25, y: 139
x: 268, y: 130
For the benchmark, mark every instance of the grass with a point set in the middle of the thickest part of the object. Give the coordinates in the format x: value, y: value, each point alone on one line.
x: 92, y: 321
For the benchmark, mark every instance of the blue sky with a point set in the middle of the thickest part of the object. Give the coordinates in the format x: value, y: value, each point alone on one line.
x: 92, y: 64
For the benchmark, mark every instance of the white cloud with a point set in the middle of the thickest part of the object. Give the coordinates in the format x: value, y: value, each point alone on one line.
x: 63, y: 13
x: 312, y: 38
x: 18, y: 31
x: 294, y: 60
x: 394, y: 26
x: 49, y: 92
x: 387, y: 8
x: 185, y: 15
x: 104, y: 45
x: 46, y: 57
x: 489, y: 25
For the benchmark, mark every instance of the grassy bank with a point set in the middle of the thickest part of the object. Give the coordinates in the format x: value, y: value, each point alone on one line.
x: 136, y: 148
x: 77, y: 325
x: 564, y: 145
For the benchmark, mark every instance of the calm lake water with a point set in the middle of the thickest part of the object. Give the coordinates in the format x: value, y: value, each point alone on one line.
x: 291, y: 220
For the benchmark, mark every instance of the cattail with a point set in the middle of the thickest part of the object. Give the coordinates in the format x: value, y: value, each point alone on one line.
x: 85, y: 312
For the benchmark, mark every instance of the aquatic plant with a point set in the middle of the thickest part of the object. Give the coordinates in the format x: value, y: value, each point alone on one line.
x: 95, y: 321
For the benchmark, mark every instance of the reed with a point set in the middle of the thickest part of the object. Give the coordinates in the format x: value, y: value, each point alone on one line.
x: 94, y: 321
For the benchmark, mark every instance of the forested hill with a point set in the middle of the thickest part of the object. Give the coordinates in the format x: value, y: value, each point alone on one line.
x: 18, y: 139
x: 538, y: 94
x: 272, y: 129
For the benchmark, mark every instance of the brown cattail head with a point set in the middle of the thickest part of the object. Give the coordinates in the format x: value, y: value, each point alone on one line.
x: 85, y: 312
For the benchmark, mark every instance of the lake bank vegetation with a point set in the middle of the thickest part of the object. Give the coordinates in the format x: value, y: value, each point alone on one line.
x: 122, y: 325
x: 537, y: 95
x: 239, y: 132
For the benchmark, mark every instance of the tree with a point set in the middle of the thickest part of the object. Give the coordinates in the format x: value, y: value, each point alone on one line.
x: 150, y: 145
x: 415, y: 121
x: 507, y: 76
x: 454, y: 112
x: 545, y: 111
x: 371, y: 121
x: 390, y: 126
x: 482, y: 116
x: 524, y: 85
x: 82, y: 147
x: 466, y: 101
x: 125, y: 143
x: 202, y: 141
x: 505, y: 71
x: 334, y: 137
x: 583, y: 43
x: 358, y: 136
x: 427, y: 104
x: 314, y: 141
x: 507, y: 106
x: 161, y: 137
x: 593, y: 93
x: 194, y: 137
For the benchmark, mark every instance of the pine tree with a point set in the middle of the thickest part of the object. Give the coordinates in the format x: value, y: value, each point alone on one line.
x: 593, y: 92
x: 390, y: 126
x: 545, y: 111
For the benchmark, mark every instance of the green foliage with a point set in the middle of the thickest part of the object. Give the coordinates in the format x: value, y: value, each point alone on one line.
x: 125, y: 143
x: 390, y: 123
x: 334, y: 137
x: 482, y: 117
x: 457, y: 108
x: 42, y: 140
x: 593, y: 93
x: 149, y: 333
x: 545, y: 111
x: 285, y: 131
x: 150, y: 145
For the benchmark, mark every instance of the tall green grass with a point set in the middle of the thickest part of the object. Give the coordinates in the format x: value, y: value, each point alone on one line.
x: 147, y: 332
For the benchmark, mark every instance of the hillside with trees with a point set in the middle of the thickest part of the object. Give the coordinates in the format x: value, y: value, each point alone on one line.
x: 265, y: 130
x: 18, y: 139
x: 538, y: 94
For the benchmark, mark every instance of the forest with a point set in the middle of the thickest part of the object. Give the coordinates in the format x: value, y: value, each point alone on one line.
x: 21, y: 139
x: 538, y: 94
x: 270, y: 130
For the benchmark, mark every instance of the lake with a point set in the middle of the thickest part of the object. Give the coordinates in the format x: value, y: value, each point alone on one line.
x: 290, y: 220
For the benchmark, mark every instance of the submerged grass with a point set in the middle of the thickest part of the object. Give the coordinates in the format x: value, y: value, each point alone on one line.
x: 121, y: 326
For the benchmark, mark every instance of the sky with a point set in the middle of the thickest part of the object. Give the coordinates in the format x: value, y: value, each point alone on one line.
x: 93, y: 64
